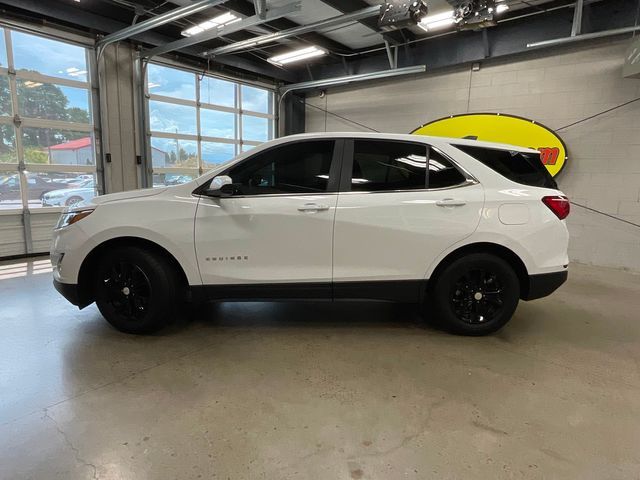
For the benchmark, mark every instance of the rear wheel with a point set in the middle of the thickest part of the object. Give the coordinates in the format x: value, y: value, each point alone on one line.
x: 72, y: 201
x: 136, y: 290
x: 475, y: 295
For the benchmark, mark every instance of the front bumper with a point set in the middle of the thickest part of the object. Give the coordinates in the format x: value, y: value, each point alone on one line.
x: 70, y: 291
x: 545, y: 284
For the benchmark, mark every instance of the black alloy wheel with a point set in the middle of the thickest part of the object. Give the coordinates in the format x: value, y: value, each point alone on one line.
x: 476, y: 294
x: 129, y: 290
x: 137, y: 290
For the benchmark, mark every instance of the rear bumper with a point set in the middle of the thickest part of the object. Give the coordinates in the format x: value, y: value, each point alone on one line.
x: 544, y: 284
x: 70, y: 291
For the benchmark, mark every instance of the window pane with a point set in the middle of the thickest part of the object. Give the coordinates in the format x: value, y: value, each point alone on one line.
x: 519, y: 167
x: 173, y: 152
x: 442, y: 173
x: 49, y: 57
x: 255, y: 128
x: 170, y: 179
x: 246, y: 148
x: 171, y: 118
x: 53, y: 102
x: 256, y: 99
x: 171, y: 82
x: 5, y: 96
x: 7, y: 144
x: 71, y: 188
x: 3, y: 50
x: 217, y: 92
x: 217, y: 124
x: 57, y: 147
x: 301, y: 167
x: 388, y: 166
x: 10, y: 190
x: 214, y: 154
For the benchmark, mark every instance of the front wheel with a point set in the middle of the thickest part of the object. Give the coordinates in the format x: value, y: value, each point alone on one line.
x: 136, y: 290
x: 475, y: 295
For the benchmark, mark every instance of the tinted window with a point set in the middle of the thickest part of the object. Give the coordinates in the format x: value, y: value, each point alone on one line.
x: 301, y: 167
x: 380, y: 165
x: 520, y: 167
x: 442, y: 173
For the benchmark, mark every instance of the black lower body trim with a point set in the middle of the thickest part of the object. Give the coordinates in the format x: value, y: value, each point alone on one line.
x: 410, y: 291
x: 266, y: 291
x: 545, y: 284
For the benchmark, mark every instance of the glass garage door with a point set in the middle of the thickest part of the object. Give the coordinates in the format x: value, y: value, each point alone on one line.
x: 197, y: 122
x: 47, y: 146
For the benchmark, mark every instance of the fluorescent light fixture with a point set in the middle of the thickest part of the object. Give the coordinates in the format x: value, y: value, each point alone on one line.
x: 501, y: 7
x: 152, y: 85
x: 30, y: 84
x: 215, y: 22
x: 437, y: 21
x: 297, y: 55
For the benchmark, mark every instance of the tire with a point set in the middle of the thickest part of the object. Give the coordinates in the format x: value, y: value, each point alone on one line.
x: 475, y: 295
x: 136, y: 290
x: 73, y: 200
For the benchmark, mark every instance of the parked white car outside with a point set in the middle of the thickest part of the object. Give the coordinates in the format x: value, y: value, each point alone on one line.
x: 462, y: 227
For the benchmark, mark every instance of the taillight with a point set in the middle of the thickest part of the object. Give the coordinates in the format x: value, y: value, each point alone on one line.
x: 559, y: 205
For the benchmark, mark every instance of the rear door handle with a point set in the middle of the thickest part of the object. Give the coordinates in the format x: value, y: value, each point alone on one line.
x: 450, y: 202
x: 313, y: 207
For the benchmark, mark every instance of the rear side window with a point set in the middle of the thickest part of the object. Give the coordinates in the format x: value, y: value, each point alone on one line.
x: 442, y: 173
x: 301, y: 167
x: 519, y: 167
x: 384, y: 165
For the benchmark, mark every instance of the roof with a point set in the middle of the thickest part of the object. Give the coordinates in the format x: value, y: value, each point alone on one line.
x: 73, y: 144
x: 409, y: 137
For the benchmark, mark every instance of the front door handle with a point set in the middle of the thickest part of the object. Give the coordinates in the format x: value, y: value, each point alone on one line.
x: 450, y: 202
x: 313, y: 207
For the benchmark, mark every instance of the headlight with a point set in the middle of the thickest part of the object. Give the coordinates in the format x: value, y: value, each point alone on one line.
x: 69, y: 218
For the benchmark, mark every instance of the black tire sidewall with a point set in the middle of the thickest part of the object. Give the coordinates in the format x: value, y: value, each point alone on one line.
x: 441, y: 293
x: 163, y: 300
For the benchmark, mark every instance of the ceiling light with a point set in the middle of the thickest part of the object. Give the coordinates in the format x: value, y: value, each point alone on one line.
x: 437, y: 21
x: 215, y: 22
x: 152, y: 85
x: 30, y: 84
x: 297, y: 55
x: 502, y: 7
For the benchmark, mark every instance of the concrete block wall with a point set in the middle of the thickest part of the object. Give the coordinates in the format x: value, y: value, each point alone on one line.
x: 555, y: 87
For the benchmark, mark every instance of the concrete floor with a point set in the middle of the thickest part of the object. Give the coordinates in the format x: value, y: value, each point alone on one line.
x: 314, y: 391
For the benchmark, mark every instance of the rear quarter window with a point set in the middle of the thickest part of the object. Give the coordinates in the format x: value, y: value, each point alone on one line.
x: 520, y: 167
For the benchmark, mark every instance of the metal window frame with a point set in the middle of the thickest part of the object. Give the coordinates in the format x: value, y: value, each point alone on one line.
x: 238, y: 141
x: 19, y: 123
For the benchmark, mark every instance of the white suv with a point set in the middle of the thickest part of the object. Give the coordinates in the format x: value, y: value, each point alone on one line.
x: 462, y: 227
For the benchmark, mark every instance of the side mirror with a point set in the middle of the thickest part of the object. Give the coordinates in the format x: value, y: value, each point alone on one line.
x: 221, y: 186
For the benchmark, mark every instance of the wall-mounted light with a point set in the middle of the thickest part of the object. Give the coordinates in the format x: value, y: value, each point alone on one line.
x: 215, y: 22
x: 297, y: 55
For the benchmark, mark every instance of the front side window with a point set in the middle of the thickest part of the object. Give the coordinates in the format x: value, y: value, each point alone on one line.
x: 301, y: 167
x: 387, y: 165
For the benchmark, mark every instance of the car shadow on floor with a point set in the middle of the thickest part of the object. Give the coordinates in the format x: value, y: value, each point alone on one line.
x: 311, y: 314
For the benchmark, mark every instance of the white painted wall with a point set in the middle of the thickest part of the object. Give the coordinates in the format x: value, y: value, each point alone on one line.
x: 555, y: 87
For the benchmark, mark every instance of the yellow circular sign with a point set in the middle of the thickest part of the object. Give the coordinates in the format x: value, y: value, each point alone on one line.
x: 501, y: 128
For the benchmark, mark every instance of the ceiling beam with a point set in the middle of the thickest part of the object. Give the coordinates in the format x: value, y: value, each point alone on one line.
x: 246, y: 8
x: 224, y: 30
x: 348, y: 6
x: 276, y: 36
x: 68, y: 14
x: 158, y: 21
